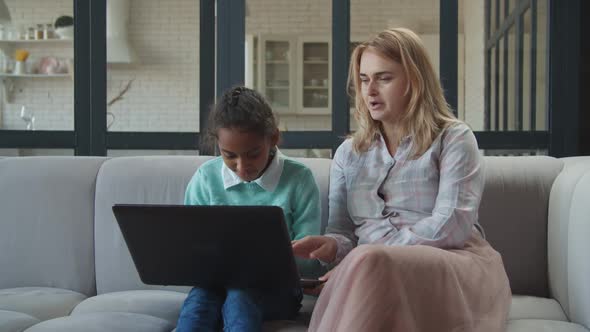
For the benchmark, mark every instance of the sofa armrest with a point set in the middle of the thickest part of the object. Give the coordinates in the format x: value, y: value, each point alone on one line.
x: 568, y: 239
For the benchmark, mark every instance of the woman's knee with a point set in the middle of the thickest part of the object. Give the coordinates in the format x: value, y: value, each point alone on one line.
x: 368, y: 256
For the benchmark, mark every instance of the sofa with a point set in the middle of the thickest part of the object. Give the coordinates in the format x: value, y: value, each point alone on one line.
x: 64, y: 265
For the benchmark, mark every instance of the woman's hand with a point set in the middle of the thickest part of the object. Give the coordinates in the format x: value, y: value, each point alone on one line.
x: 318, y: 289
x: 323, y: 248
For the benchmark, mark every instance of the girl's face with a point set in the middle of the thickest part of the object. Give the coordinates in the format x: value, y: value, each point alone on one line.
x: 245, y: 153
x: 383, y: 86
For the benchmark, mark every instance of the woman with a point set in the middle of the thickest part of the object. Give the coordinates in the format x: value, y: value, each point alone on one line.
x: 404, y: 196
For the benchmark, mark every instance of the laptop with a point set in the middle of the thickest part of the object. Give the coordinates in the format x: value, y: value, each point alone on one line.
x: 209, y: 246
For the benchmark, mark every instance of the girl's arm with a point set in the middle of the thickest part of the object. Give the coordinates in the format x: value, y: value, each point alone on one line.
x: 197, y: 192
x: 307, y: 219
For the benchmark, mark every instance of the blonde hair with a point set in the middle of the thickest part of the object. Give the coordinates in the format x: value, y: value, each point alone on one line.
x: 427, y: 113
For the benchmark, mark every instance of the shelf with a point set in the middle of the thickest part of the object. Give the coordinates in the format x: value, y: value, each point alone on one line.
x: 313, y: 87
x: 34, y: 75
x: 35, y: 41
x: 278, y: 87
x: 277, y: 62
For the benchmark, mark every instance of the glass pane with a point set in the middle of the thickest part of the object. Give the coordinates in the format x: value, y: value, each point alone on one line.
x: 423, y: 17
x: 501, y: 73
x: 277, y: 76
x: 471, y: 64
x: 493, y: 93
x: 36, y: 66
x: 153, y: 67
x: 511, y: 95
x: 307, y: 153
x: 121, y: 153
x: 542, y: 52
x: 288, y: 59
x: 35, y: 152
x: 492, y: 17
x: 316, y: 77
x: 511, y: 5
x: 526, y: 72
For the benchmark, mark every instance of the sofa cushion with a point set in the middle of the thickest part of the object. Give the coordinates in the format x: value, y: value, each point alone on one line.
x: 104, y: 321
x: 155, y: 180
x: 157, y: 303
x: 530, y: 307
x: 47, y: 206
x: 40, y: 302
x: 542, y: 325
x: 320, y: 169
x: 568, y: 229
x: 513, y: 213
x: 11, y: 321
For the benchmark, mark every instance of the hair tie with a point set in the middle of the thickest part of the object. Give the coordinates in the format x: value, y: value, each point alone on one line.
x: 235, y: 96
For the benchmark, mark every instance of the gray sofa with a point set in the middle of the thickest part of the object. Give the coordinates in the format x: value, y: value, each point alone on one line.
x: 65, y: 267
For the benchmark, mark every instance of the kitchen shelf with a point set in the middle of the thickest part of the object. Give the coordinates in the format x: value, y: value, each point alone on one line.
x: 34, y: 75
x: 35, y: 41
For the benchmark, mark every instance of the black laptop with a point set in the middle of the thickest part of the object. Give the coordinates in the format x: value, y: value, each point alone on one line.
x: 209, y: 246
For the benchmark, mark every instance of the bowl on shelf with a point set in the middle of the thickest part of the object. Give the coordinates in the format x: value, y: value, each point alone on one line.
x: 65, y: 32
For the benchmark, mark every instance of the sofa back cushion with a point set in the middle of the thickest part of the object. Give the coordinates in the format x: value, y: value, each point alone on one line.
x: 320, y: 167
x: 154, y: 180
x: 146, y: 180
x: 513, y: 213
x: 46, y: 227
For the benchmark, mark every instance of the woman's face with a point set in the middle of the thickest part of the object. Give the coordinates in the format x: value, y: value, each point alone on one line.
x: 383, y: 86
x: 245, y: 153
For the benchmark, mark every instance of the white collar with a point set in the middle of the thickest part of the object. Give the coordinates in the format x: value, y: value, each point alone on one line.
x: 269, y: 180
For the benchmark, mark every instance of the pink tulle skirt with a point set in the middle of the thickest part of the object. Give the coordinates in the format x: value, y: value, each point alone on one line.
x: 416, y: 288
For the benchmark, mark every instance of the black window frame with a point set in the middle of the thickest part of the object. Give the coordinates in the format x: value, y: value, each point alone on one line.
x: 91, y: 138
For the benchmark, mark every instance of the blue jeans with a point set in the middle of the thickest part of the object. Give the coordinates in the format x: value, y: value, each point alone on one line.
x: 208, y: 309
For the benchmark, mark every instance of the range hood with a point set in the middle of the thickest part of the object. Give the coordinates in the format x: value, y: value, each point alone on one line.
x: 118, y: 48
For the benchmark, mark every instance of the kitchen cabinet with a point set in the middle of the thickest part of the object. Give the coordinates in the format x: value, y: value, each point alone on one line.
x: 314, y: 76
x: 292, y: 72
x: 277, y: 71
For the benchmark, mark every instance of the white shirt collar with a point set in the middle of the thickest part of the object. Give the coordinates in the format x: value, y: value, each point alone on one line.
x: 268, y: 181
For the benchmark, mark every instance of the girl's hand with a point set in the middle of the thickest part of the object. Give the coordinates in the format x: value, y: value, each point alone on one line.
x: 318, y: 289
x: 323, y: 248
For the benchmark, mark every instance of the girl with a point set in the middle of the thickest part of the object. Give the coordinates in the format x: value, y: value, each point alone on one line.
x: 250, y: 171
x: 404, y: 196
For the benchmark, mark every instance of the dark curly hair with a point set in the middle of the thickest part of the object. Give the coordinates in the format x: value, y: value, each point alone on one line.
x: 241, y: 108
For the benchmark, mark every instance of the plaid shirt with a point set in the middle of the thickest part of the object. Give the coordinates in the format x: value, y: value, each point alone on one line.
x: 432, y: 200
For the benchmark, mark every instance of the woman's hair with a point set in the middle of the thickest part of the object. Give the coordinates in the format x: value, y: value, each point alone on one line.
x: 241, y: 108
x: 427, y: 112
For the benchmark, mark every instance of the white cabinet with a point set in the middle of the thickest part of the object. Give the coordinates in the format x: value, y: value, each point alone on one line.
x: 276, y: 71
x: 294, y: 73
x: 314, y: 76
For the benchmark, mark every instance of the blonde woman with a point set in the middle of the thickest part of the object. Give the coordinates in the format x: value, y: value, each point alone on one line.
x: 405, y: 189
